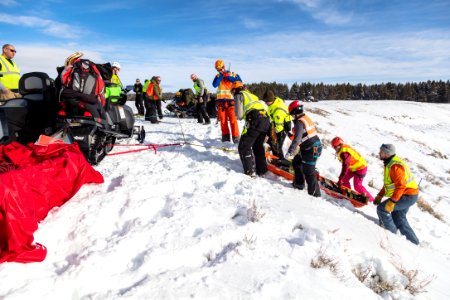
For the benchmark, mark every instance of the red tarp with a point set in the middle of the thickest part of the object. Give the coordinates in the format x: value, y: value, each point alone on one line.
x: 38, y: 179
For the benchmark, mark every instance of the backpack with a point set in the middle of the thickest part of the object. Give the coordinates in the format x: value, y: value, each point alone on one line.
x: 84, y: 77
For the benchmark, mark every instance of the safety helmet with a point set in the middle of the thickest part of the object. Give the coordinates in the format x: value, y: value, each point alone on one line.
x: 72, y: 58
x: 178, y: 94
x: 336, y: 142
x: 115, y: 65
x: 219, y: 64
x: 295, y: 108
x: 193, y: 76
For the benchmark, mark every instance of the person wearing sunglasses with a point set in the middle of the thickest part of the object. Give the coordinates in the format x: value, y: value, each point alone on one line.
x: 9, y: 74
x: 224, y: 81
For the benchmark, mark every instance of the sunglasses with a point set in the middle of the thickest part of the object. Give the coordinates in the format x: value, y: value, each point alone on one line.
x: 12, y: 50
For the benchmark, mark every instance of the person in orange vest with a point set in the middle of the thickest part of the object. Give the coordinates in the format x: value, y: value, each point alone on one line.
x: 154, y: 94
x: 305, y: 137
x: 402, y: 191
x: 353, y: 166
x: 224, y: 82
x: 9, y: 74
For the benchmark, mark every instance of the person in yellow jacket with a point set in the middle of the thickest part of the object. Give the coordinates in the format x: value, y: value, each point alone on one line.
x: 9, y: 74
x: 257, y: 126
x: 115, y: 76
x: 281, y: 122
x: 353, y: 166
x: 402, y: 191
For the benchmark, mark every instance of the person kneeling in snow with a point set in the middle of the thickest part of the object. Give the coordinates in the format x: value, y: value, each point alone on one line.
x: 353, y: 166
x: 402, y: 190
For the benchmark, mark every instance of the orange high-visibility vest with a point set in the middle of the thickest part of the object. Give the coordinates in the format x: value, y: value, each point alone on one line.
x: 310, y: 129
x: 224, y: 88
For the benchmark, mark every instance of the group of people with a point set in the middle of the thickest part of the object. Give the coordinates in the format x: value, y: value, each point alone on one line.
x: 271, y: 123
x: 148, y: 99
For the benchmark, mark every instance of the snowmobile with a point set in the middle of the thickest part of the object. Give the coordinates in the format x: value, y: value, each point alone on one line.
x: 96, y: 136
x: 182, y: 105
x: 40, y: 112
x: 24, y: 119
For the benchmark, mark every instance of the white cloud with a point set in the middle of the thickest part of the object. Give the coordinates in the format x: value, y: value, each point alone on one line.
x: 9, y: 3
x: 49, y: 27
x: 323, y: 10
x: 252, y: 23
x: 332, y: 58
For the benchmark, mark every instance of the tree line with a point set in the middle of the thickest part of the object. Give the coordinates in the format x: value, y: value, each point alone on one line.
x: 429, y: 91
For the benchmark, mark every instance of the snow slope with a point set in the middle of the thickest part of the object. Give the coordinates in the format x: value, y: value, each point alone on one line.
x: 187, y: 223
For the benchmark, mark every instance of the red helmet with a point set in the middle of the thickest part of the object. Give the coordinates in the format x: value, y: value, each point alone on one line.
x: 295, y: 108
x: 336, y: 142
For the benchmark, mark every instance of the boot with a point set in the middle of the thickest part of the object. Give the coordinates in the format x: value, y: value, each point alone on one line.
x: 225, y: 137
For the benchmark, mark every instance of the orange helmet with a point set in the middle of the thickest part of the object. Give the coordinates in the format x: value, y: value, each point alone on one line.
x: 219, y: 64
x: 336, y: 142
x: 237, y: 84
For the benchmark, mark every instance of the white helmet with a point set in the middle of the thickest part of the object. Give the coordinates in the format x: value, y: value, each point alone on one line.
x: 115, y: 65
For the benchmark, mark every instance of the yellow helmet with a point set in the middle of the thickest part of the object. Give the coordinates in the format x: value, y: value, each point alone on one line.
x: 219, y: 64
x: 72, y: 58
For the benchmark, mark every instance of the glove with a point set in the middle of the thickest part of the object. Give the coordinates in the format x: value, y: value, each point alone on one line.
x: 390, y: 204
x: 288, y: 156
x: 377, y: 199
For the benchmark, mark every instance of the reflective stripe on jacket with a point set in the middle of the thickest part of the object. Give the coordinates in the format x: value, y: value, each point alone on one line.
x: 357, y: 162
x: 225, y: 86
x: 11, y: 74
x: 389, y: 184
x: 310, y: 129
x: 278, y: 113
x: 251, y: 102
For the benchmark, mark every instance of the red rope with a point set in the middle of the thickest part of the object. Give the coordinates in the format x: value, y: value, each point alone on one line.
x: 147, y: 147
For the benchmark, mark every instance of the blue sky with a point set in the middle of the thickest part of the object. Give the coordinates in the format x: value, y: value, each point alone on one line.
x: 367, y: 41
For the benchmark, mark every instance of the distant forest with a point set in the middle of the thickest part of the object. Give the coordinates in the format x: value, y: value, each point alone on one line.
x: 429, y: 91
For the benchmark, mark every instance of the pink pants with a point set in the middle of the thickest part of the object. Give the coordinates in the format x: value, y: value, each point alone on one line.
x: 358, y: 178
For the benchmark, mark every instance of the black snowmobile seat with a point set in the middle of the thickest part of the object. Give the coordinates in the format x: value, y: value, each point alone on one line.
x: 36, y: 86
x: 27, y: 117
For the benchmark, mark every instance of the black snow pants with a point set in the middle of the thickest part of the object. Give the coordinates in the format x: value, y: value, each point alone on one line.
x: 251, y: 144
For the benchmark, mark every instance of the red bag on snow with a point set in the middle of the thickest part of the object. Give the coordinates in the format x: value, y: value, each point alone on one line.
x: 38, y: 179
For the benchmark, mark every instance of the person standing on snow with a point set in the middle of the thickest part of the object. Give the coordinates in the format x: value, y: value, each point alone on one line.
x: 305, y: 137
x: 402, y: 191
x: 10, y: 74
x: 353, y: 166
x: 257, y: 126
x: 224, y: 81
x: 154, y: 94
x: 137, y: 88
x: 281, y: 122
x: 146, y: 99
x: 202, y: 97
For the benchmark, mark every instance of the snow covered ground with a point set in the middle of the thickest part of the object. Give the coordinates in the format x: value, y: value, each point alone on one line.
x: 187, y: 223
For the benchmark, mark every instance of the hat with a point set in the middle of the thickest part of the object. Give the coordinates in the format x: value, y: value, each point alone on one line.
x: 269, y: 96
x: 389, y: 149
